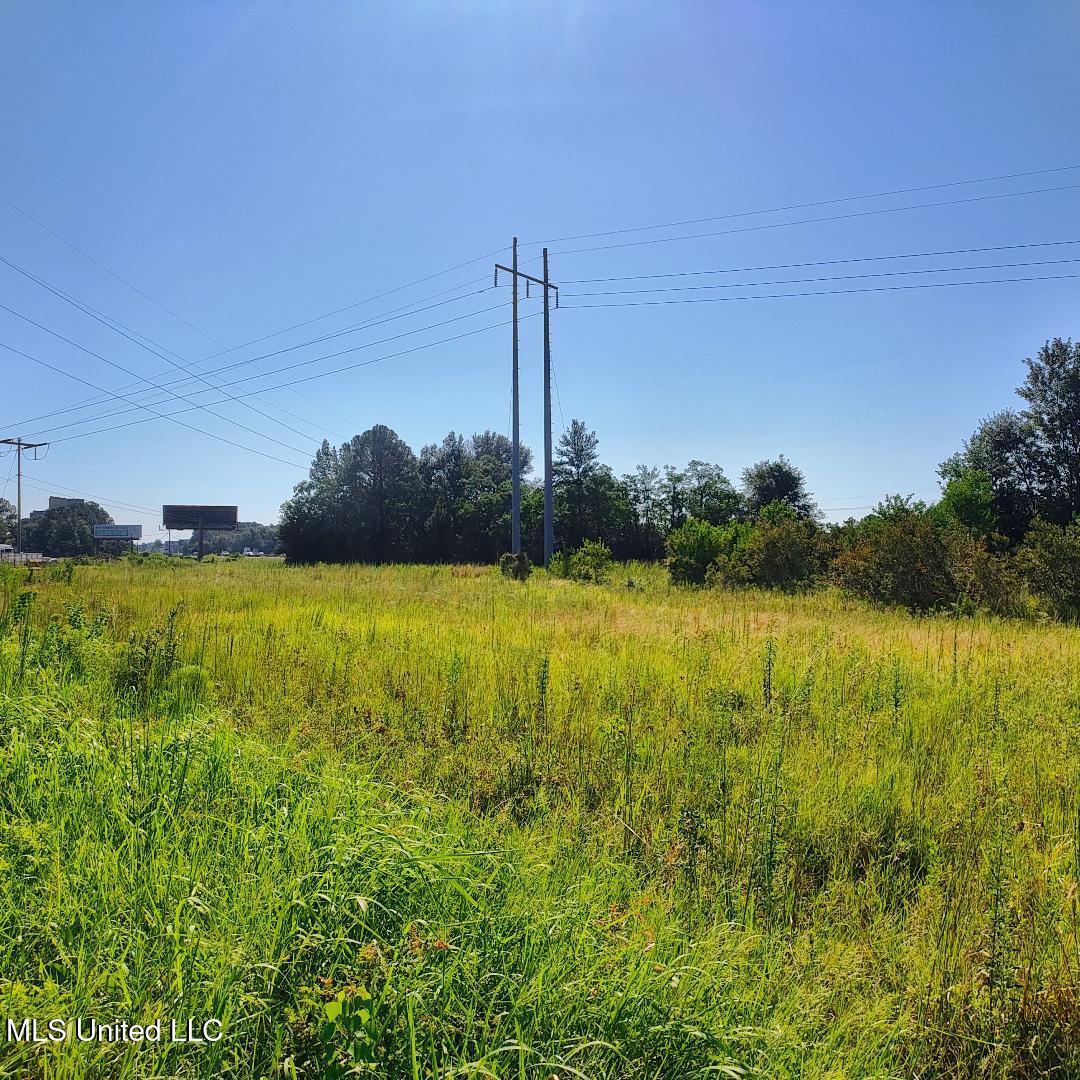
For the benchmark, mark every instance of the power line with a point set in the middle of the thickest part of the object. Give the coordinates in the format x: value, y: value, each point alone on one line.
x: 134, y: 406
x: 834, y: 277
x: 11, y: 473
x: 101, y: 266
x: 306, y: 378
x: 828, y: 292
x: 97, y: 498
x: 128, y: 371
x: 824, y: 262
x: 816, y: 220
x: 809, y: 205
x: 162, y: 416
x: 203, y: 333
x: 153, y: 348
x: 377, y: 321
x: 558, y: 396
x: 20, y: 445
x: 368, y: 300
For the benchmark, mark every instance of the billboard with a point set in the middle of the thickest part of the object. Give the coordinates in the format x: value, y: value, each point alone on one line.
x: 175, y: 516
x: 117, y: 532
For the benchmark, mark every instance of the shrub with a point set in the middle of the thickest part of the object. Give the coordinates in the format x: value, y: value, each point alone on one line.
x: 984, y: 581
x: 518, y: 566
x: 923, y: 558
x: 782, y: 551
x: 560, y: 564
x: 694, y: 548
x: 591, y: 562
x: 900, y: 558
x: 1049, y: 561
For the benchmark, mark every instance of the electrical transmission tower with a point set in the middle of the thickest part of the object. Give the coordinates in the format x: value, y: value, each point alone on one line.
x: 515, y: 504
x: 20, y: 445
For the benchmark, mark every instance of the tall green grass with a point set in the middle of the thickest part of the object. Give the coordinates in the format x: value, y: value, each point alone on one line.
x: 430, y: 822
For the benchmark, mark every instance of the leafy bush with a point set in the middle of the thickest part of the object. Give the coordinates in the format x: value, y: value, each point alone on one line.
x: 926, y: 558
x: 591, y: 562
x: 968, y: 501
x: 779, y: 550
x: 984, y: 581
x: 695, y: 548
x: 782, y: 550
x: 898, y: 556
x: 518, y: 566
x: 1049, y: 561
x: 560, y: 564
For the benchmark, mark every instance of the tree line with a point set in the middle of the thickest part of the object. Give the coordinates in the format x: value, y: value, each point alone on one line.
x: 373, y: 499
x: 1004, y: 536
x: 1004, y: 533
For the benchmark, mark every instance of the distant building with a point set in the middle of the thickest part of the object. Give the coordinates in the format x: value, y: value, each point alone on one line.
x: 58, y: 502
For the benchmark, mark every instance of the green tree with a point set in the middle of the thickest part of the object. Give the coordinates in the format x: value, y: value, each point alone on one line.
x: 492, y: 444
x: 1049, y: 561
x: 581, y: 485
x: 358, y: 503
x: 898, y: 555
x: 64, y: 531
x: 777, y: 481
x: 380, y: 489
x: 445, y: 471
x: 8, y: 522
x: 710, y: 495
x: 1052, y: 392
x: 695, y: 548
x: 486, y: 528
x: 645, y: 498
x: 968, y: 501
x: 311, y: 521
x: 1002, y: 448
x: 673, y: 492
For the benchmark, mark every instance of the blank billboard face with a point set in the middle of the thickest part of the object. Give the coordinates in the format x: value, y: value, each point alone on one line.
x: 198, y: 517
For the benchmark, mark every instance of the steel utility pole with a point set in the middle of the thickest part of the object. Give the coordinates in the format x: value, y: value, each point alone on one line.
x: 549, y: 498
x: 515, y: 481
x: 20, y: 446
x: 515, y: 505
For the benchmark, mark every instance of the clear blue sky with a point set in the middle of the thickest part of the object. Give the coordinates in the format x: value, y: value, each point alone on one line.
x: 252, y: 165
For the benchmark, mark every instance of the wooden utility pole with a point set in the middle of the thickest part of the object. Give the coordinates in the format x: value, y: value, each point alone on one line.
x: 515, y: 505
x: 20, y: 446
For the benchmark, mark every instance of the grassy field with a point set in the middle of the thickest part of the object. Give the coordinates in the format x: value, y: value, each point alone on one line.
x: 418, y: 822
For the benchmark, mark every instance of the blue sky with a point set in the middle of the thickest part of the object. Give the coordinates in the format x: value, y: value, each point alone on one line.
x: 249, y: 166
